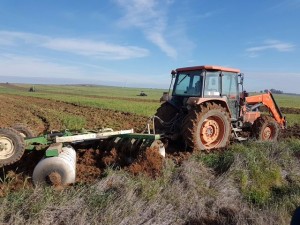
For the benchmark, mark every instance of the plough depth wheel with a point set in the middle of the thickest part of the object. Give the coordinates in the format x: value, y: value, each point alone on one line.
x: 23, y: 130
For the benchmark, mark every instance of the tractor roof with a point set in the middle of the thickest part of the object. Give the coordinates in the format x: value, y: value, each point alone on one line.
x: 207, y: 67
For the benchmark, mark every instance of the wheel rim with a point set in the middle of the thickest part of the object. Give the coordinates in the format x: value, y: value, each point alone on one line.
x: 212, y: 132
x: 267, y: 133
x: 7, y: 148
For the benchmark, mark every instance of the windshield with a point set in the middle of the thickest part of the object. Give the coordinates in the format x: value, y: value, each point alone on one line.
x: 188, y: 83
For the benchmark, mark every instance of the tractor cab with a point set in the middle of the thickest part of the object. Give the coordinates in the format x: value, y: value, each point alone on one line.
x: 206, y: 109
x: 194, y: 85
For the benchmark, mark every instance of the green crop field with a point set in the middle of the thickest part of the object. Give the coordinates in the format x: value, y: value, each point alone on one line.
x: 119, y: 98
x: 92, y: 91
x: 288, y: 100
x: 114, y: 98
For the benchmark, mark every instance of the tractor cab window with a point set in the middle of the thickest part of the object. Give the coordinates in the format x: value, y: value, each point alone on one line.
x: 230, y: 90
x: 230, y: 85
x: 188, y: 84
x: 212, y: 82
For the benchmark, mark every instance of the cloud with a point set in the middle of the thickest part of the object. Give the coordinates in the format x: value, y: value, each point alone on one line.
x: 270, y: 45
x: 36, y: 70
x: 34, y: 67
x: 96, y: 49
x: 150, y: 17
x: 85, y: 47
x: 9, y: 38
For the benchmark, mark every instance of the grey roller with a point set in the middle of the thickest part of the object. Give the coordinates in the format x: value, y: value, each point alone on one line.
x: 63, y: 167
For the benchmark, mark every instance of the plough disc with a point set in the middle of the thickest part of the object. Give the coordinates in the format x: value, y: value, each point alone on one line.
x: 131, y: 147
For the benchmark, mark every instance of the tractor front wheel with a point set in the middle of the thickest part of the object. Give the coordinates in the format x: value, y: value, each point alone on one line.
x: 12, y: 146
x: 265, y: 128
x: 207, y: 128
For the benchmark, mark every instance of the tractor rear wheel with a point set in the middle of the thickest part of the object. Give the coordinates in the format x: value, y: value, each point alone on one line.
x: 23, y: 130
x: 165, y: 112
x: 265, y: 128
x: 207, y: 128
x: 12, y: 146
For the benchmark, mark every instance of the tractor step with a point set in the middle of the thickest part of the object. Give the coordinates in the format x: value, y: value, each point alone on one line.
x: 236, y: 136
x: 237, y: 129
x: 241, y: 138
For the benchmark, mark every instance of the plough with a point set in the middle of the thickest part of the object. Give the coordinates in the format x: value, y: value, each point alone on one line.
x: 58, y: 166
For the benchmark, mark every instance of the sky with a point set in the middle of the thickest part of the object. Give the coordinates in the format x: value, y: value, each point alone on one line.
x: 136, y: 43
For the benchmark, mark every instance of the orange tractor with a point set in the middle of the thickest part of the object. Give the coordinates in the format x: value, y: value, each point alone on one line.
x: 208, y: 107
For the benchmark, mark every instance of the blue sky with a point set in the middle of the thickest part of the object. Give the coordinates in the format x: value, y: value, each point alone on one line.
x: 138, y: 42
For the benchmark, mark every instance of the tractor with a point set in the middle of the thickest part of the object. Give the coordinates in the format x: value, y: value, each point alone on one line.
x: 208, y: 107
x: 142, y: 93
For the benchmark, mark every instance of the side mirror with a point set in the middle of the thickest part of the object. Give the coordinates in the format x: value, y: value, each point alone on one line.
x: 173, y: 72
x: 241, y: 75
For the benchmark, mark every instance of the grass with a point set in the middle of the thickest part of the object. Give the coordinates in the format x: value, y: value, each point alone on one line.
x: 288, y: 100
x: 258, y: 169
x: 250, y: 188
x: 67, y: 121
x: 292, y: 119
x: 94, y: 91
x: 120, y: 99
x: 124, y: 99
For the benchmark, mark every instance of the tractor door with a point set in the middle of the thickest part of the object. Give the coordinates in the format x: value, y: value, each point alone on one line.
x: 230, y: 90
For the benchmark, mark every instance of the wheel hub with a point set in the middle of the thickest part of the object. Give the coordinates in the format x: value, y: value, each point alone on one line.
x: 6, y: 148
x: 267, y: 133
x: 210, y: 131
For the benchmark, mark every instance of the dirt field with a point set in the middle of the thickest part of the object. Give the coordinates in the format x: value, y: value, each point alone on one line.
x: 45, y: 115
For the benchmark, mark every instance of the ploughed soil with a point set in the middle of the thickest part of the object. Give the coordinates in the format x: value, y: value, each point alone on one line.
x: 292, y: 131
x: 287, y: 110
x: 43, y: 116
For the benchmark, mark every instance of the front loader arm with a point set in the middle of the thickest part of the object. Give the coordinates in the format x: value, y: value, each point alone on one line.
x: 269, y: 101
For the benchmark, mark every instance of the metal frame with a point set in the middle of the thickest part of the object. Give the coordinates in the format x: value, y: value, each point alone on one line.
x: 55, y: 141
